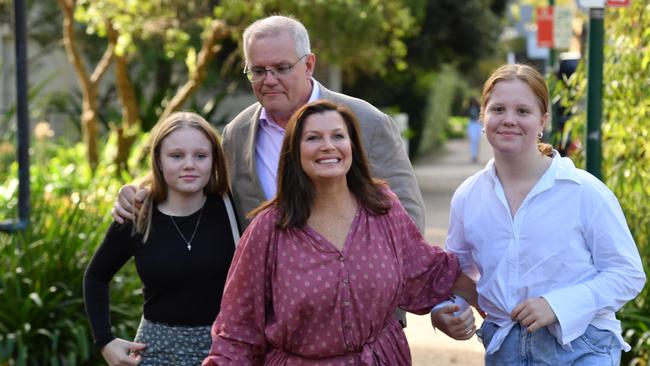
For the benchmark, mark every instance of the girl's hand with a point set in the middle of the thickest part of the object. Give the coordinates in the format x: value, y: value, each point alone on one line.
x: 119, y: 352
x: 534, y: 314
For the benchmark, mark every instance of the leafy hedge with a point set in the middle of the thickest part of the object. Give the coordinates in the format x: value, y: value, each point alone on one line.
x: 626, y: 145
x: 42, y: 317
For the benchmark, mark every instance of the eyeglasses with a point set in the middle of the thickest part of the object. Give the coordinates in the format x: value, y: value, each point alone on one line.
x: 257, y: 74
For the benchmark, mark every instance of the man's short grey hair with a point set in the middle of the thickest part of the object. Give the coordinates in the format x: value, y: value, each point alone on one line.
x: 275, y: 25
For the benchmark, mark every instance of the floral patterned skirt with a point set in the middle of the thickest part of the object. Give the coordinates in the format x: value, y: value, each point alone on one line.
x: 173, y: 345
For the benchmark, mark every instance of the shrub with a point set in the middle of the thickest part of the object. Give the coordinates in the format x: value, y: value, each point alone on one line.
x: 438, y: 109
x: 42, y: 317
x: 456, y: 127
x: 626, y: 146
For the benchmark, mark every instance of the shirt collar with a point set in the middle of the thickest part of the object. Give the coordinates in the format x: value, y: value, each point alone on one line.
x: 267, y: 120
x: 560, y: 169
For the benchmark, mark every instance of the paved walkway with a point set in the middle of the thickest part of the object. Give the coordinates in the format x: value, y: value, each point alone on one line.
x: 438, y: 176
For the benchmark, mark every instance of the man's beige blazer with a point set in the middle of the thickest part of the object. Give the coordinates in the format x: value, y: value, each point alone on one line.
x: 380, y: 137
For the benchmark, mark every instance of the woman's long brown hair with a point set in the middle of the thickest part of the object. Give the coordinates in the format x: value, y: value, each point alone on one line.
x: 295, y: 191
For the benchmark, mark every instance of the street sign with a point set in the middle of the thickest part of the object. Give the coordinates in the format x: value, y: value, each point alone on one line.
x: 533, y: 51
x: 592, y: 3
x: 562, y: 27
x: 617, y: 3
x: 545, y: 27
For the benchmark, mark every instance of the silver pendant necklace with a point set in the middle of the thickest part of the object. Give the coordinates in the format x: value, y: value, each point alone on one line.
x: 188, y: 242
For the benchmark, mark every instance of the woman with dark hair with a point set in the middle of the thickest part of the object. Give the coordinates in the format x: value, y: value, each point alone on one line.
x: 182, y: 245
x: 323, y: 265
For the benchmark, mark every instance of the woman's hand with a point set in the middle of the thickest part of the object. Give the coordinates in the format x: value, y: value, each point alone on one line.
x: 459, y: 327
x: 119, y: 352
x: 534, y: 314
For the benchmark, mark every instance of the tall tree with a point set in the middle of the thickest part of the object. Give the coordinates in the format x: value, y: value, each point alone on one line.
x: 127, y: 25
x: 125, y: 132
x: 459, y: 33
x: 89, y: 82
x: 355, y: 35
x: 198, y: 65
x: 194, y: 33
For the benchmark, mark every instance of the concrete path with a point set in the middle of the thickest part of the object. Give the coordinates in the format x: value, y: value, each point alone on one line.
x: 438, y: 176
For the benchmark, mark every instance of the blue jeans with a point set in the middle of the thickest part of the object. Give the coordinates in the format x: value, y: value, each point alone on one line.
x: 595, y: 347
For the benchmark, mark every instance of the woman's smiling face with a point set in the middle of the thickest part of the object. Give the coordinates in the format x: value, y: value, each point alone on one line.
x: 325, y: 147
x: 513, y: 118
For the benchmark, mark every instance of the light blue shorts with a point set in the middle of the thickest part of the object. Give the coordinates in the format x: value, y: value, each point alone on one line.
x: 595, y: 347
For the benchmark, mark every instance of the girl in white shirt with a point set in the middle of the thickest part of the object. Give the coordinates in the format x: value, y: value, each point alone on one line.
x: 546, y: 242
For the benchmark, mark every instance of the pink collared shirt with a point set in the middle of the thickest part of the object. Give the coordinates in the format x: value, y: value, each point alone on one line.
x: 268, y: 145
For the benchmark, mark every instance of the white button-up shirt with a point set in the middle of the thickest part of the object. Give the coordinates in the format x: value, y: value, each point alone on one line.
x: 568, y: 243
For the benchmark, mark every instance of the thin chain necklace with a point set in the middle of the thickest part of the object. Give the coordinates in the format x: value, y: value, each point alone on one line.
x: 188, y: 242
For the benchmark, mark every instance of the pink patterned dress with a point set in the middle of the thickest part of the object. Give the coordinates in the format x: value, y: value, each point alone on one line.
x: 293, y: 298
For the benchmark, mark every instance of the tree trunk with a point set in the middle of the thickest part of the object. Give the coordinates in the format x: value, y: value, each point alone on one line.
x: 88, y: 83
x: 218, y: 31
x: 129, y: 128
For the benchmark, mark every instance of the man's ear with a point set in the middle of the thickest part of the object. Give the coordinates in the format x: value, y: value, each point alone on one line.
x: 310, y: 62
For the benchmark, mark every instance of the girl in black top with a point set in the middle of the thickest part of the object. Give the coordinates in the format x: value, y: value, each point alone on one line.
x: 182, y: 242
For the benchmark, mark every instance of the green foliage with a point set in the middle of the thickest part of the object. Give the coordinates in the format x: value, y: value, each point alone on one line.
x: 42, y: 317
x: 438, y: 109
x: 355, y: 35
x: 459, y: 33
x: 176, y: 22
x: 626, y: 146
x: 8, y: 117
x: 456, y: 127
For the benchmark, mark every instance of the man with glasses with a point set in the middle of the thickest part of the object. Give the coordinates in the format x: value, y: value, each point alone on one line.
x: 279, y: 65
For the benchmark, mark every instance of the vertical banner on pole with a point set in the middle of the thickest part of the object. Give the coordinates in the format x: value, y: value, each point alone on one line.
x: 545, y: 27
x: 562, y: 27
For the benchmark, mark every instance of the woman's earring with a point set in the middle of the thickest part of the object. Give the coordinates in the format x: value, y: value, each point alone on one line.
x: 540, y: 135
x: 483, y: 129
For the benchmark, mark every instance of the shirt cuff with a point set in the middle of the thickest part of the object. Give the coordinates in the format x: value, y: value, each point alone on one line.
x: 453, y: 300
x: 574, y: 308
x: 102, y: 341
